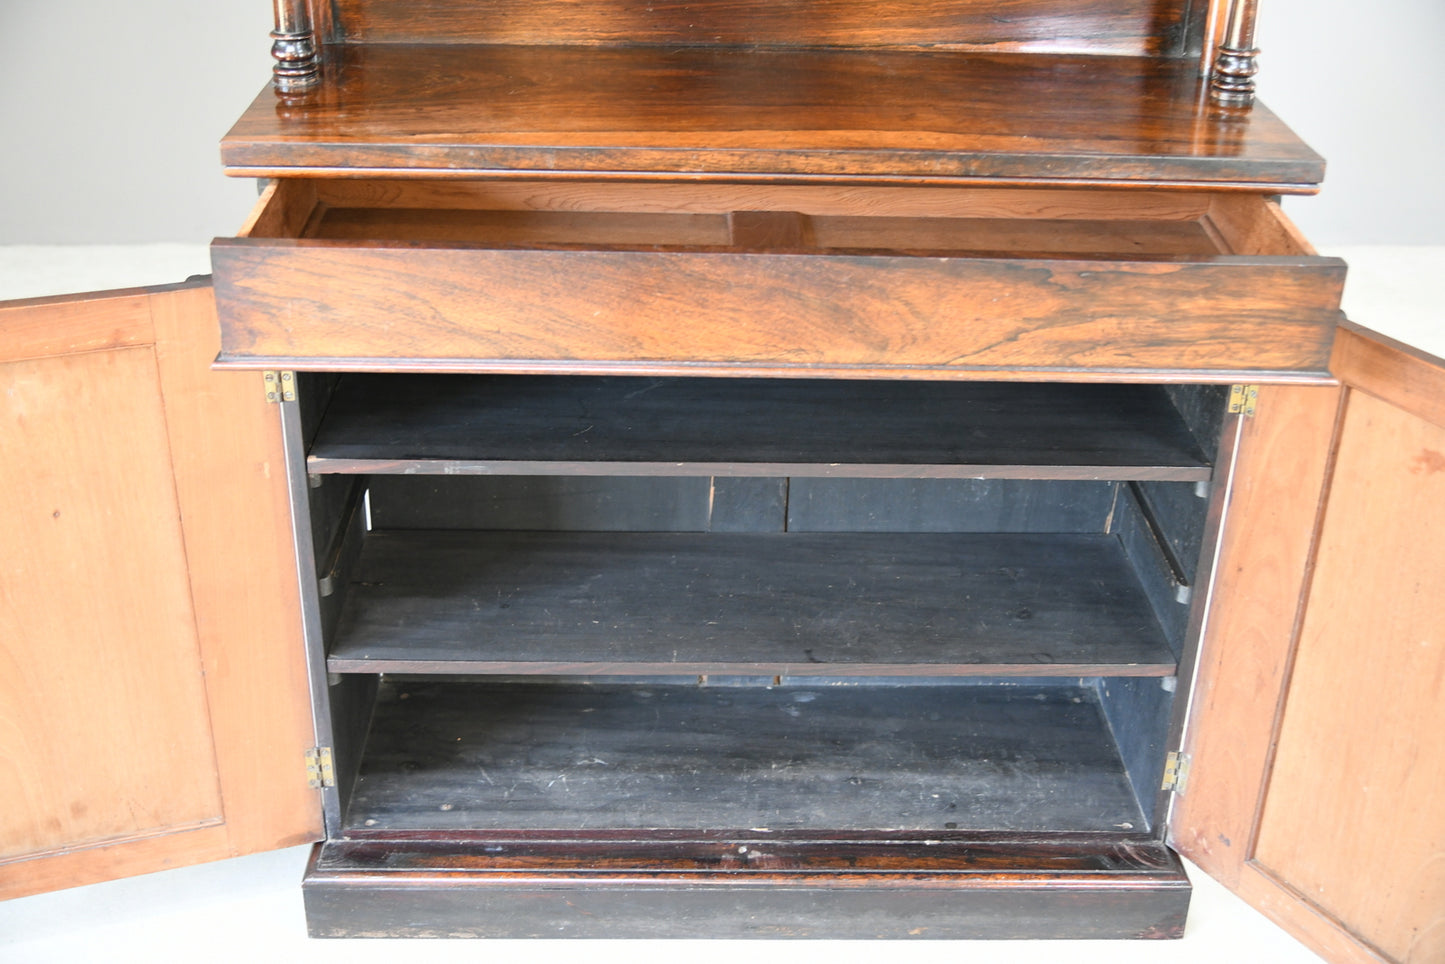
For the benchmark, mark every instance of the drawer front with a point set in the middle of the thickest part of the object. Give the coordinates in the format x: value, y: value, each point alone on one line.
x: 343, y: 303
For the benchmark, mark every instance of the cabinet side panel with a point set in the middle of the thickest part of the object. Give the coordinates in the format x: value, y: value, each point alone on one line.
x: 1259, y: 575
x: 99, y: 666
x: 1138, y: 712
x: 1359, y: 760
x: 231, y: 484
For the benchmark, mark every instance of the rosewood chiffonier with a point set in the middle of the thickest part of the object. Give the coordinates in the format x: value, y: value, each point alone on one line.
x: 830, y: 468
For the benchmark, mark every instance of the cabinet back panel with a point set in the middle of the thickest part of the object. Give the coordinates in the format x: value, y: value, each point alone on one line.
x: 947, y: 505
x: 288, y: 211
x: 544, y: 503
x: 701, y: 504
x: 1093, y: 238
x: 1129, y: 27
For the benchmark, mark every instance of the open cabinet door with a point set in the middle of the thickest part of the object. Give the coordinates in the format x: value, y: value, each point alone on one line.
x: 1317, y: 780
x: 154, y: 706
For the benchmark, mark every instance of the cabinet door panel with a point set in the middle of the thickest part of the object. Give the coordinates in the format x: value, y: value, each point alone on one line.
x: 1354, y: 818
x: 95, y: 612
x: 1331, y: 821
x: 153, y: 706
x: 1259, y: 573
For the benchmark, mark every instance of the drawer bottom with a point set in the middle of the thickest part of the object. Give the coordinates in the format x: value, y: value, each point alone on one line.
x: 997, y: 887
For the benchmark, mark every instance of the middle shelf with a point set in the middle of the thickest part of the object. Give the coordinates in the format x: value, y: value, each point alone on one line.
x: 767, y: 604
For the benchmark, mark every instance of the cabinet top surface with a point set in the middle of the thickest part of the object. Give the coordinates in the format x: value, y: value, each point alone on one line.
x: 732, y: 112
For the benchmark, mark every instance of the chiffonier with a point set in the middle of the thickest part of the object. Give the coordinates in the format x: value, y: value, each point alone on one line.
x: 827, y: 469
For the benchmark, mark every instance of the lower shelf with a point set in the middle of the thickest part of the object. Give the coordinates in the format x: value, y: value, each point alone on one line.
x: 462, y: 756
x: 536, y: 807
x: 776, y: 603
x: 1058, y: 886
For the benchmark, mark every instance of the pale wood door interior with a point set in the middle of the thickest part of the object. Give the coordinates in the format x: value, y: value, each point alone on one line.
x: 1317, y: 764
x: 153, y: 698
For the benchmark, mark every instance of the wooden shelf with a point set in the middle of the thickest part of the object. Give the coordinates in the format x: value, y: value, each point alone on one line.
x: 654, y: 111
x: 589, y: 758
x: 771, y: 604
x: 519, y: 425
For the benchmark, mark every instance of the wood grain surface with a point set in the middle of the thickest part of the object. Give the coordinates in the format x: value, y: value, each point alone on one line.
x: 334, y: 304
x: 230, y: 483
x: 771, y: 231
x: 1342, y: 680
x: 448, y: 110
x: 1127, y: 27
x: 1358, y: 763
x: 150, y: 730
x: 1406, y: 377
x: 35, y: 328
x: 302, y: 195
x: 1262, y: 568
x: 89, y: 492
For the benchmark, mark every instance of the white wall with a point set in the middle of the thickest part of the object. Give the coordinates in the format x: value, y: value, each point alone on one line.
x: 110, y: 113
x: 1364, y: 84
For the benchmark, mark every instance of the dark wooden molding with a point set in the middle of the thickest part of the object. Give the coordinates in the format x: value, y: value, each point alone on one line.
x: 989, y: 886
x: 1237, y: 59
x: 298, y: 66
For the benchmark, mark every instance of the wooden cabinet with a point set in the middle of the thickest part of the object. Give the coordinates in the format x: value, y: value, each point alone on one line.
x: 757, y: 656
x: 771, y: 476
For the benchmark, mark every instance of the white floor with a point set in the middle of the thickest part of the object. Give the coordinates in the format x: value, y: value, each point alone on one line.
x: 249, y: 909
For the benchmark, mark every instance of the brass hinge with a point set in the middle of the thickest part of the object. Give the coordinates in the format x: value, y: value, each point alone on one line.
x: 280, y: 386
x: 1176, y: 772
x: 320, y: 771
x: 1242, y: 399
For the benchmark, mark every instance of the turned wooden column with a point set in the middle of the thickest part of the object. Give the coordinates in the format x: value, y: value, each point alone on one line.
x: 294, y: 47
x: 1236, y: 60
